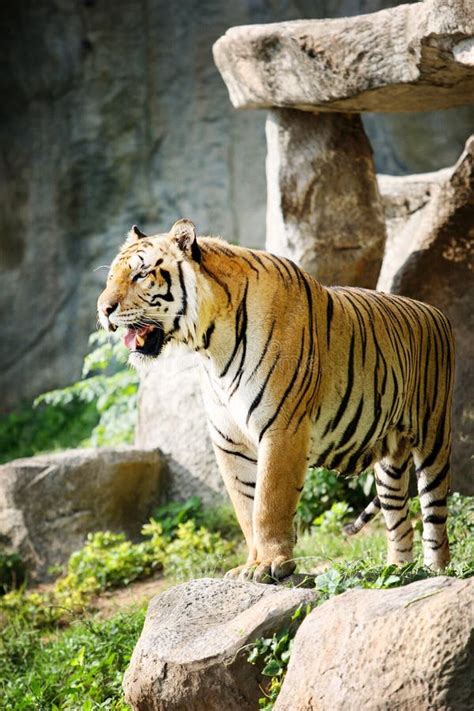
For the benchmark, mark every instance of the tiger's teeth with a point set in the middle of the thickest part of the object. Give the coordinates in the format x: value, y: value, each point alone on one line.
x: 140, y: 341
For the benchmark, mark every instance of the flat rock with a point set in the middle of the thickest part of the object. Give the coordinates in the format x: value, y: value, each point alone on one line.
x: 192, y: 652
x: 49, y: 503
x: 413, y: 57
x: 409, y: 648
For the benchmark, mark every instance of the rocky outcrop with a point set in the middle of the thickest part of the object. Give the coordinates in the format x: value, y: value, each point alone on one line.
x: 49, y: 503
x: 412, y: 57
x: 402, y: 196
x: 192, y: 653
x: 431, y: 258
x: 409, y: 648
x: 324, y: 209
x: 172, y: 417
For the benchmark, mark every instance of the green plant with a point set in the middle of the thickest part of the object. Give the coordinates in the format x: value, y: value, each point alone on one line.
x: 323, y: 488
x: 28, y: 431
x: 100, y: 409
x: 331, y: 521
x: 108, y: 560
x: 110, y: 385
x: 195, y: 552
x: 273, y: 654
x: 215, y: 518
x: 79, y: 668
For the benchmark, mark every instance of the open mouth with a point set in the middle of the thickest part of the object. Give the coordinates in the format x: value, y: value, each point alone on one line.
x: 147, y: 340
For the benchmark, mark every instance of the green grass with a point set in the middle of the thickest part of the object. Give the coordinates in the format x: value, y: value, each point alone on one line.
x: 79, y: 668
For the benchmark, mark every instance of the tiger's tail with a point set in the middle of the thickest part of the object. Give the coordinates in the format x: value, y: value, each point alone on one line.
x: 370, y: 511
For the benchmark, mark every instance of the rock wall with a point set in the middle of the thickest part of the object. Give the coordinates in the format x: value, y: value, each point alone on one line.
x: 113, y: 113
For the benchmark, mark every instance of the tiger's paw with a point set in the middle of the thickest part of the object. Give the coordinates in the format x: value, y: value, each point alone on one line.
x: 266, y: 571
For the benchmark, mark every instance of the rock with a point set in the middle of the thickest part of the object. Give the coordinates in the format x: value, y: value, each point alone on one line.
x: 324, y: 209
x: 408, y: 648
x: 49, y: 503
x: 413, y: 57
x: 192, y: 651
x: 172, y: 417
x: 402, y: 197
x: 431, y: 259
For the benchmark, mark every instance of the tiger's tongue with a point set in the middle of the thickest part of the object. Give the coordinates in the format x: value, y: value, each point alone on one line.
x: 133, y: 337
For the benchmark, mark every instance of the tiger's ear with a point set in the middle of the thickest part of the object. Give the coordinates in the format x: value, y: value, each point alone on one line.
x: 184, y: 234
x: 135, y: 233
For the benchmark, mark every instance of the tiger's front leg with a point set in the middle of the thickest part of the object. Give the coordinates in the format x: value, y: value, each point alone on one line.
x: 282, y: 465
x: 239, y: 471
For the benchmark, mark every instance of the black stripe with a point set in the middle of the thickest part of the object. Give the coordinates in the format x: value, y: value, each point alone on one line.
x: 434, y: 483
x: 351, y: 427
x: 218, y: 281
x: 255, y: 256
x: 240, y: 330
x: 329, y: 315
x: 184, y: 306
x: 285, y: 394
x: 258, y: 397
x: 206, y: 339
x: 252, y: 484
x: 332, y: 424
x: 263, y: 353
x: 235, y: 454
x: 399, y: 522
x: 434, y: 518
x: 224, y: 436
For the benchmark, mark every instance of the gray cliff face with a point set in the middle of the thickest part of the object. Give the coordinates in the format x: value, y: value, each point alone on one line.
x: 113, y: 112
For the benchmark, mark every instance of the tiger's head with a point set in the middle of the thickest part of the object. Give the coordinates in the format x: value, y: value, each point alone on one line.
x: 151, y: 290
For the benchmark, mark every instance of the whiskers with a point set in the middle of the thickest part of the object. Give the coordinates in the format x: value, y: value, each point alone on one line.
x: 102, y: 266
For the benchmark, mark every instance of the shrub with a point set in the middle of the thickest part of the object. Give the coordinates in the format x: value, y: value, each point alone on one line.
x: 323, y: 488
x: 107, y: 383
x: 195, y: 552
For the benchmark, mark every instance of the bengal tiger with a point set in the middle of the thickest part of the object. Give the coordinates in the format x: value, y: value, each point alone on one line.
x: 295, y: 374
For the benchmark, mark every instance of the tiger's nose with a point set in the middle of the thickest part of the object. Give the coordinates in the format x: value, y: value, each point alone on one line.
x: 107, y: 308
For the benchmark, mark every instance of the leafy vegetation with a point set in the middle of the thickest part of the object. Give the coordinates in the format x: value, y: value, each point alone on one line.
x: 273, y: 653
x: 77, y: 668
x: 110, y: 385
x: 100, y: 409
x: 323, y: 488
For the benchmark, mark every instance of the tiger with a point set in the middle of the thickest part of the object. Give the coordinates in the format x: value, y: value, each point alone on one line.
x: 294, y: 375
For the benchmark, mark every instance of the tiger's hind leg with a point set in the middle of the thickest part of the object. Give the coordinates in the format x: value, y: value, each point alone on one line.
x: 392, y: 476
x: 433, y: 475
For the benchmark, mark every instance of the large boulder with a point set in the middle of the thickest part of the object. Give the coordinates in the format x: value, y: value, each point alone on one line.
x: 412, y: 57
x: 192, y: 653
x: 431, y: 258
x: 49, y: 503
x: 172, y: 417
x: 409, y: 648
